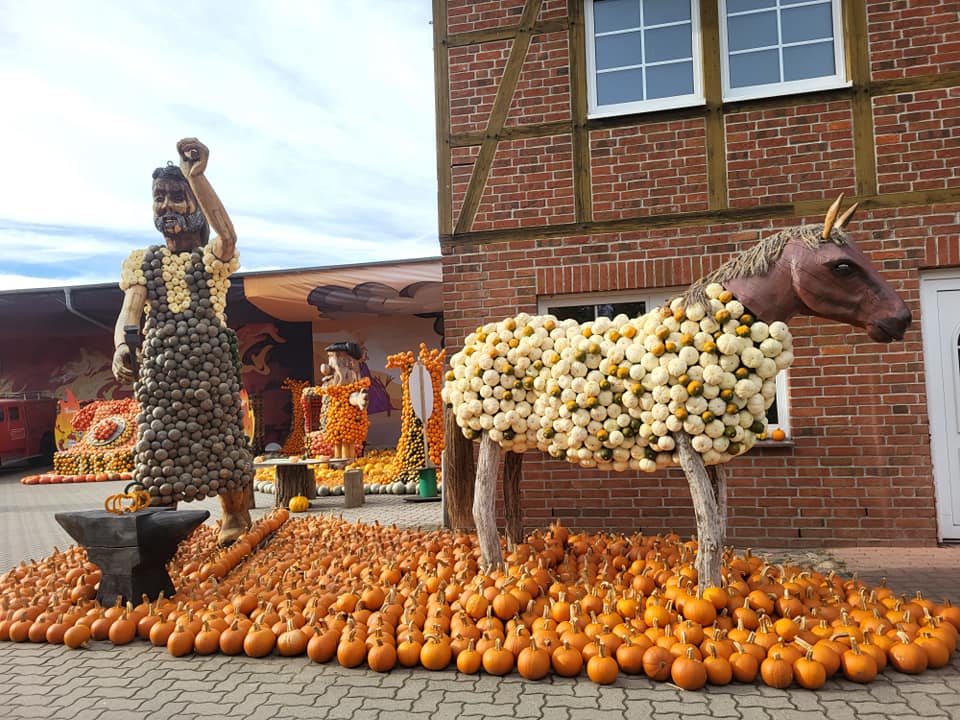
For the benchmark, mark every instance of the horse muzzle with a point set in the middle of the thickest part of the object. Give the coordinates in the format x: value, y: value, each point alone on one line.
x: 890, y: 328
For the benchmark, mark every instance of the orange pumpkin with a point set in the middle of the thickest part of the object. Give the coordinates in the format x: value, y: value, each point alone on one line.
x: 688, y: 671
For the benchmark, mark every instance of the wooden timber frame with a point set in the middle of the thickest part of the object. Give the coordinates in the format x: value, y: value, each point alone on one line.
x: 455, y: 231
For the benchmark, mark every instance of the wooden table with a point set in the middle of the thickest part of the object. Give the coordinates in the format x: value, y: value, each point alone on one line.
x: 293, y: 478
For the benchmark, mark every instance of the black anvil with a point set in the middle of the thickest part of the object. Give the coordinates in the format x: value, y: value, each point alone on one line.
x: 133, y: 549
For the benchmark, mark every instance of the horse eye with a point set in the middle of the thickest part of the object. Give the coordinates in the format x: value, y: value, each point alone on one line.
x: 843, y: 269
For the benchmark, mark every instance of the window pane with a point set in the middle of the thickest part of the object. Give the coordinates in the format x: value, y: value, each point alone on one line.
x: 752, y: 31
x: 811, y: 22
x: 619, y: 87
x: 580, y: 313
x: 669, y: 43
x: 657, y: 12
x: 735, y: 6
x: 615, y: 15
x: 630, y: 309
x: 756, y: 68
x: 14, y: 413
x: 808, y: 61
x: 669, y: 80
x: 773, y: 416
x: 619, y: 50
x: 1, y: 414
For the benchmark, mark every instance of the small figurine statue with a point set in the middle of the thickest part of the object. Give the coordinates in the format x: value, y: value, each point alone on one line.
x: 345, y: 419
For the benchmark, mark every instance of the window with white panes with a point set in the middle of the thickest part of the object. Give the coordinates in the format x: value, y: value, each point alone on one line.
x: 646, y: 55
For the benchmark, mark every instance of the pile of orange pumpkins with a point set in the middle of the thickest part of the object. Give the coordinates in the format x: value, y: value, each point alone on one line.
x: 566, y: 603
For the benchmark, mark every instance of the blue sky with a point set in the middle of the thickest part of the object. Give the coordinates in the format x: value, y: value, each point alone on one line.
x: 319, y: 116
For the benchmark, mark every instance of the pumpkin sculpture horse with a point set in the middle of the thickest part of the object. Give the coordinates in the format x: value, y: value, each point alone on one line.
x: 688, y: 384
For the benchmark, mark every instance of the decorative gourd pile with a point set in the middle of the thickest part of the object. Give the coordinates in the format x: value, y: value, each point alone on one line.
x: 435, y: 362
x: 410, y: 456
x: 343, y: 423
x: 191, y: 443
x: 297, y: 441
x: 610, y: 393
x: 377, y: 467
x: 105, y: 450
x: 565, y: 603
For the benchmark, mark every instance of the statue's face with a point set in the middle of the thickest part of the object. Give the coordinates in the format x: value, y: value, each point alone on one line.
x: 176, y: 214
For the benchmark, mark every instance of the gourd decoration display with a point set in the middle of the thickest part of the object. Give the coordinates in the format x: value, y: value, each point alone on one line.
x: 610, y: 393
x: 109, y: 430
x: 588, y: 606
x: 435, y: 363
x: 302, y: 409
x: 409, y: 458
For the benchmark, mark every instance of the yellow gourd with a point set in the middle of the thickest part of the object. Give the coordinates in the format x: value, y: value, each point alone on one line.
x: 298, y: 504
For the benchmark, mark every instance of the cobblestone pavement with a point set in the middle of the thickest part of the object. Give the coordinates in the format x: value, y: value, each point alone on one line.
x: 139, y: 681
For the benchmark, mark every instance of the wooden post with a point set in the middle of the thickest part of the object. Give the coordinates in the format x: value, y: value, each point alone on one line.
x: 292, y: 479
x: 710, y: 533
x: 353, y: 488
x: 512, y: 502
x: 459, y: 473
x: 484, y: 504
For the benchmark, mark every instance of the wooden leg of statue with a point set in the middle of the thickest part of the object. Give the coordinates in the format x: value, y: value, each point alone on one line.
x: 512, y: 464
x: 236, y: 514
x: 710, y: 533
x: 484, y: 504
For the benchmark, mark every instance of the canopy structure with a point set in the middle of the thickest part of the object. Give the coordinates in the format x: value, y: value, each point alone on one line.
x: 410, y: 287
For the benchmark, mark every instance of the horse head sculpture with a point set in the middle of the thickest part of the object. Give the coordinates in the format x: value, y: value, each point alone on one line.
x: 816, y: 270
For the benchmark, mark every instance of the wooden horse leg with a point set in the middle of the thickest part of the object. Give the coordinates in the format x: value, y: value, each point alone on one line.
x: 710, y: 526
x: 718, y: 482
x: 484, y: 504
x: 459, y: 474
x: 511, y: 499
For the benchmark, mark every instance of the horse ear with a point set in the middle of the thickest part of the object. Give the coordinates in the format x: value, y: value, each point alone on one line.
x: 847, y: 216
x: 831, y: 216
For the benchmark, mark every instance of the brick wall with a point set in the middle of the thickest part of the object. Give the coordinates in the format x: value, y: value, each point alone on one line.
x: 858, y: 467
x: 918, y: 140
x: 543, y: 88
x: 530, y: 183
x: 785, y: 154
x: 919, y: 37
x: 649, y: 168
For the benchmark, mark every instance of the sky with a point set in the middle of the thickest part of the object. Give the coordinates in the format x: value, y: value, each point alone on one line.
x: 319, y: 116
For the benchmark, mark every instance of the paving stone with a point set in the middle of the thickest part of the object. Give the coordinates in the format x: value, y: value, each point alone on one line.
x: 721, y: 705
x: 581, y: 714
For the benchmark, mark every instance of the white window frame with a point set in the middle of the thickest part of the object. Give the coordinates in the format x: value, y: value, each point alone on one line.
x: 837, y: 80
x: 655, y: 298
x: 595, y: 110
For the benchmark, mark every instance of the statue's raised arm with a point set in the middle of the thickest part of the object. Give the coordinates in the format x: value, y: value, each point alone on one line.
x: 193, y: 164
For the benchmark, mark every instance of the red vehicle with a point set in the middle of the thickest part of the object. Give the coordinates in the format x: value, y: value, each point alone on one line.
x: 26, y: 428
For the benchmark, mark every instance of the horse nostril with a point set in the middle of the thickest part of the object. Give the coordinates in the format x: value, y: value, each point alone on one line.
x: 905, y: 318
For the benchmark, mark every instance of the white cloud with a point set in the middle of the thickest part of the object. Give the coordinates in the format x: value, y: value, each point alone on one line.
x: 319, y: 117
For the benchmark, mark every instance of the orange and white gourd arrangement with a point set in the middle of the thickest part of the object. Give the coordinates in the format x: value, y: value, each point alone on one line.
x: 610, y: 393
x: 568, y: 603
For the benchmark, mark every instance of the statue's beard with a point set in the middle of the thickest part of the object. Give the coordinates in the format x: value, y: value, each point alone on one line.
x: 175, y: 223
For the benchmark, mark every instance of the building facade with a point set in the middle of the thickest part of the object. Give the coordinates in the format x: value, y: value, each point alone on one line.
x: 595, y: 156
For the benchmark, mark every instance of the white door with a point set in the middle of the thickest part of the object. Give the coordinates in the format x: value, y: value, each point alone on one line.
x: 940, y: 303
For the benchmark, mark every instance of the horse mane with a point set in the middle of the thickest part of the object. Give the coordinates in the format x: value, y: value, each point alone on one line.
x: 758, y: 259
